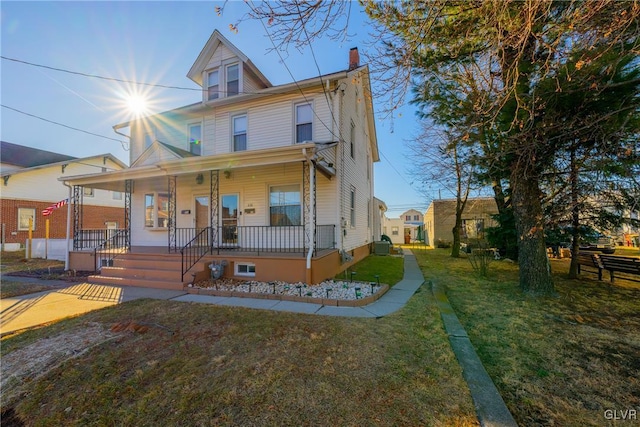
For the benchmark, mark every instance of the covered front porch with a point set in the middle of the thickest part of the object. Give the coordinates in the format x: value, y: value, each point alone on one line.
x: 245, y: 205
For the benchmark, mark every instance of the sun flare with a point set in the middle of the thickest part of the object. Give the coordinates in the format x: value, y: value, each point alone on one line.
x: 137, y: 104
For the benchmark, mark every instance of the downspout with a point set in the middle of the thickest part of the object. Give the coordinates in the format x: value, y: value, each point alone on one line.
x: 312, y: 202
x: 66, y: 252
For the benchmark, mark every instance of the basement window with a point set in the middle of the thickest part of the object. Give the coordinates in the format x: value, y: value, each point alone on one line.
x: 245, y: 269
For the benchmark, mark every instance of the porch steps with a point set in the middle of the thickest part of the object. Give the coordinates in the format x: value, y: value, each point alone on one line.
x: 163, y: 271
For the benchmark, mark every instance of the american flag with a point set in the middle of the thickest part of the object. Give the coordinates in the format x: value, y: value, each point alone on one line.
x: 47, y: 211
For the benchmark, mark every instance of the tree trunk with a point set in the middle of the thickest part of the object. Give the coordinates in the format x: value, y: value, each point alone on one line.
x: 535, y: 275
x: 575, y: 218
x: 455, y: 249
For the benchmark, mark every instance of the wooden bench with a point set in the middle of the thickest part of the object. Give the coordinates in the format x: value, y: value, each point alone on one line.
x: 621, y: 264
x: 590, y: 260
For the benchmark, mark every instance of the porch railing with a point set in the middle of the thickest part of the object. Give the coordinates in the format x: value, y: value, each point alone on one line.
x: 92, y: 238
x: 108, y: 249
x: 196, y: 243
x: 194, y: 249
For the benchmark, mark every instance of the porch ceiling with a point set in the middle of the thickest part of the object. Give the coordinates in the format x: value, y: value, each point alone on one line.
x: 115, y: 181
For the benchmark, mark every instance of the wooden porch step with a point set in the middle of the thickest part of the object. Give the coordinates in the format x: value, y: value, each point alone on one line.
x: 128, y: 281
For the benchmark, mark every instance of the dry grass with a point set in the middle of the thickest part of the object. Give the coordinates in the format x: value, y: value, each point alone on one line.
x: 176, y: 364
x: 15, y: 261
x: 11, y: 289
x: 556, y: 361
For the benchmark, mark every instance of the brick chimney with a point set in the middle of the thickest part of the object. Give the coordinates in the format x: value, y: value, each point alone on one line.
x: 354, y: 58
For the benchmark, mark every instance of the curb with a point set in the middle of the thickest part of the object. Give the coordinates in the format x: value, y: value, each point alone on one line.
x: 490, y: 407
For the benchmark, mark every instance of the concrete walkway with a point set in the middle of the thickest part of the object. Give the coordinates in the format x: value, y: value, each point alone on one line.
x: 392, y: 301
x: 43, y: 307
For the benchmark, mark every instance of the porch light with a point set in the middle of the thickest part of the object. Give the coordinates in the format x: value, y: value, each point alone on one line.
x: 227, y: 174
x: 199, y: 179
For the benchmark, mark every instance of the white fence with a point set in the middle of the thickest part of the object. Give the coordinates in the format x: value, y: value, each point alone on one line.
x: 49, y: 249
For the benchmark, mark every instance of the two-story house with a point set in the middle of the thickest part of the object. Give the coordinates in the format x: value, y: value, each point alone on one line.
x: 275, y: 180
x: 30, y: 185
x: 406, y: 228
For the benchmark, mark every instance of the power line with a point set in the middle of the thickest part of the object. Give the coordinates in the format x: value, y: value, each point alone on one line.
x: 134, y: 82
x: 295, y: 81
x: 63, y: 125
x: 95, y: 76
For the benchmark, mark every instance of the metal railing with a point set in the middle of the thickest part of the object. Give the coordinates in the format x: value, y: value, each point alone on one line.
x: 108, y: 249
x: 253, y: 239
x: 195, y: 249
x: 92, y: 238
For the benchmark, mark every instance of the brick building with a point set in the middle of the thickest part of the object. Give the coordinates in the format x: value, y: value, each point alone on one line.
x: 31, y: 183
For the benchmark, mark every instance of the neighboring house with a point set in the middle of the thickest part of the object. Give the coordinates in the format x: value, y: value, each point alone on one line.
x: 30, y: 184
x: 379, y: 209
x: 440, y: 218
x: 407, y: 228
x: 275, y: 180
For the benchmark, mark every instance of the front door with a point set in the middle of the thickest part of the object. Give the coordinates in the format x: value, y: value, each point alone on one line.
x: 230, y: 211
x: 201, y: 212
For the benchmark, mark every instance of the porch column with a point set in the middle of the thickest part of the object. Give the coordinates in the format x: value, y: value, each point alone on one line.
x: 214, y: 199
x: 128, y: 190
x: 77, y: 216
x: 309, y: 205
x: 173, y: 244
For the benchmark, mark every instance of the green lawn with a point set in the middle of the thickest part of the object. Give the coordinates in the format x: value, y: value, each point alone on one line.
x: 556, y: 361
x: 184, y: 364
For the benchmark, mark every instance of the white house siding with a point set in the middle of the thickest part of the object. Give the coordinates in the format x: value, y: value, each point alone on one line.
x: 353, y: 170
x: 42, y: 183
x: 221, y: 55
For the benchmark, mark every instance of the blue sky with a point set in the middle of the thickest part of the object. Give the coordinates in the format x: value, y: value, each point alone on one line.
x: 155, y: 42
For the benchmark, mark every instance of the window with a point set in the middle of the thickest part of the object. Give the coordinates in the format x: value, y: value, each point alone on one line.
x: 213, y: 87
x: 87, y: 192
x: 240, y: 133
x: 395, y: 231
x: 24, y: 215
x: 284, y: 205
x: 156, y: 210
x: 304, y: 123
x: 353, y: 207
x: 368, y: 168
x: 416, y: 217
x: 245, y: 269
x: 195, y: 139
x: 353, y: 140
x: 407, y: 218
x: 233, y: 80
x: 116, y: 195
x: 473, y: 228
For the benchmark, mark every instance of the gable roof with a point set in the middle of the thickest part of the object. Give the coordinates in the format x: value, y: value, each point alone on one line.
x: 28, y: 157
x: 195, y: 73
x: 157, y: 147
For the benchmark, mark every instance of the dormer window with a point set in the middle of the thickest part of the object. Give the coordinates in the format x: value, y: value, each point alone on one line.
x: 233, y: 80
x: 213, y: 85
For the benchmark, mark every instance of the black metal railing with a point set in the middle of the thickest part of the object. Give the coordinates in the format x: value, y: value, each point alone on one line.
x: 194, y: 249
x: 197, y: 242
x: 106, y: 251
x: 92, y: 238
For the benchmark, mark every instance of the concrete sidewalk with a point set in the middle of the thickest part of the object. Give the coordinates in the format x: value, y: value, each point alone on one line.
x: 392, y: 301
x: 28, y: 311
